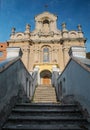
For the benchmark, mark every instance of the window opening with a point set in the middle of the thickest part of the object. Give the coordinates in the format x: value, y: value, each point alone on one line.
x: 46, y: 54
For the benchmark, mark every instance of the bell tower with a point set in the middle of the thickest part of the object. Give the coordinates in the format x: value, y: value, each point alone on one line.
x: 46, y: 22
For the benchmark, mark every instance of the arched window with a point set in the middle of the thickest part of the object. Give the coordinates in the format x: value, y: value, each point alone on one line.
x: 46, y: 54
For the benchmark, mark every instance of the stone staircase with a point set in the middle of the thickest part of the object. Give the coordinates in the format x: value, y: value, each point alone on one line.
x: 45, y: 94
x: 46, y: 116
x: 45, y: 113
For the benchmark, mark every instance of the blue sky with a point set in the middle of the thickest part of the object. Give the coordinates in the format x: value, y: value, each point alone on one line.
x: 17, y: 13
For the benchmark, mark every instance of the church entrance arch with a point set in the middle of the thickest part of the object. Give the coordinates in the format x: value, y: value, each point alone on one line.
x: 45, y: 77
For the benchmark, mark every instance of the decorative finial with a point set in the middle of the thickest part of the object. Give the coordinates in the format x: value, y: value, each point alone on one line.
x: 13, y: 30
x: 79, y: 28
x: 64, y: 31
x: 27, y: 28
x: 64, y: 26
x: 46, y: 6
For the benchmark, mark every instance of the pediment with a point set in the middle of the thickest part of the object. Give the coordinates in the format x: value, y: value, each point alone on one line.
x: 46, y: 15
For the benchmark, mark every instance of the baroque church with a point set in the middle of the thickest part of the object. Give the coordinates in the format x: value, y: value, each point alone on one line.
x: 46, y: 48
x: 45, y: 78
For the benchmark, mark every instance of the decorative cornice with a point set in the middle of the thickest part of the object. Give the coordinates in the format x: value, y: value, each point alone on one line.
x: 19, y: 40
x: 44, y: 64
x: 41, y: 34
x: 46, y: 41
x: 72, y: 39
x: 61, y: 41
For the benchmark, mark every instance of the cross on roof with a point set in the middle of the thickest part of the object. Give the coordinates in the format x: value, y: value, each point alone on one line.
x: 46, y: 6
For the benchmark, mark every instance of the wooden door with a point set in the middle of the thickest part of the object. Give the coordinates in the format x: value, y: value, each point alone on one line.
x: 46, y: 80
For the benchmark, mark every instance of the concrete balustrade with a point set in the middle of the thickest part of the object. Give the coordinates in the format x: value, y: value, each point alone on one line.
x: 16, y: 84
x: 75, y: 80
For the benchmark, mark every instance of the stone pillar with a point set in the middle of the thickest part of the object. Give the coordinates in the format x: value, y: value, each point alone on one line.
x: 55, y: 74
x: 38, y: 25
x: 79, y: 52
x: 65, y: 44
x: 37, y: 69
x: 65, y: 55
x: 36, y: 54
x: 55, y: 54
x: 28, y: 60
x: 64, y: 31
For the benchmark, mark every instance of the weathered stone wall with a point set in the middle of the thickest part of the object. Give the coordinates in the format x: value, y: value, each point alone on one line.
x: 16, y: 84
x: 75, y: 80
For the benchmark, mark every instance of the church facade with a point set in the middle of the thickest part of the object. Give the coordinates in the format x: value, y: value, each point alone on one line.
x: 46, y: 48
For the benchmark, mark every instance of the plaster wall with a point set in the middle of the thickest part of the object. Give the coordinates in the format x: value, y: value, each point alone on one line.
x: 75, y: 80
x: 16, y: 84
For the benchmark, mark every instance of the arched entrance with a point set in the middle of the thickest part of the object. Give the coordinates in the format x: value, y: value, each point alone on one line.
x: 45, y: 77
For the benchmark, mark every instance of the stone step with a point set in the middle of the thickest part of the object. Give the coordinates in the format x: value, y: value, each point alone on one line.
x: 45, y: 88
x: 38, y: 100
x: 51, y: 90
x: 46, y: 120
x: 48, y: 110
x: 45, y: 91
x: 45, y: 101
x: 49, y: 93
x: 28, y: 112
x: 44, y: 97
x: 47, y: 106
x: 47, y: 116
x: 55, y: 115
x: 45, y: 94
x: 41, y: 127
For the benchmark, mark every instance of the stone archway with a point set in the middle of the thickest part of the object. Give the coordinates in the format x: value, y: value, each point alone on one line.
x: 45, y: 77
